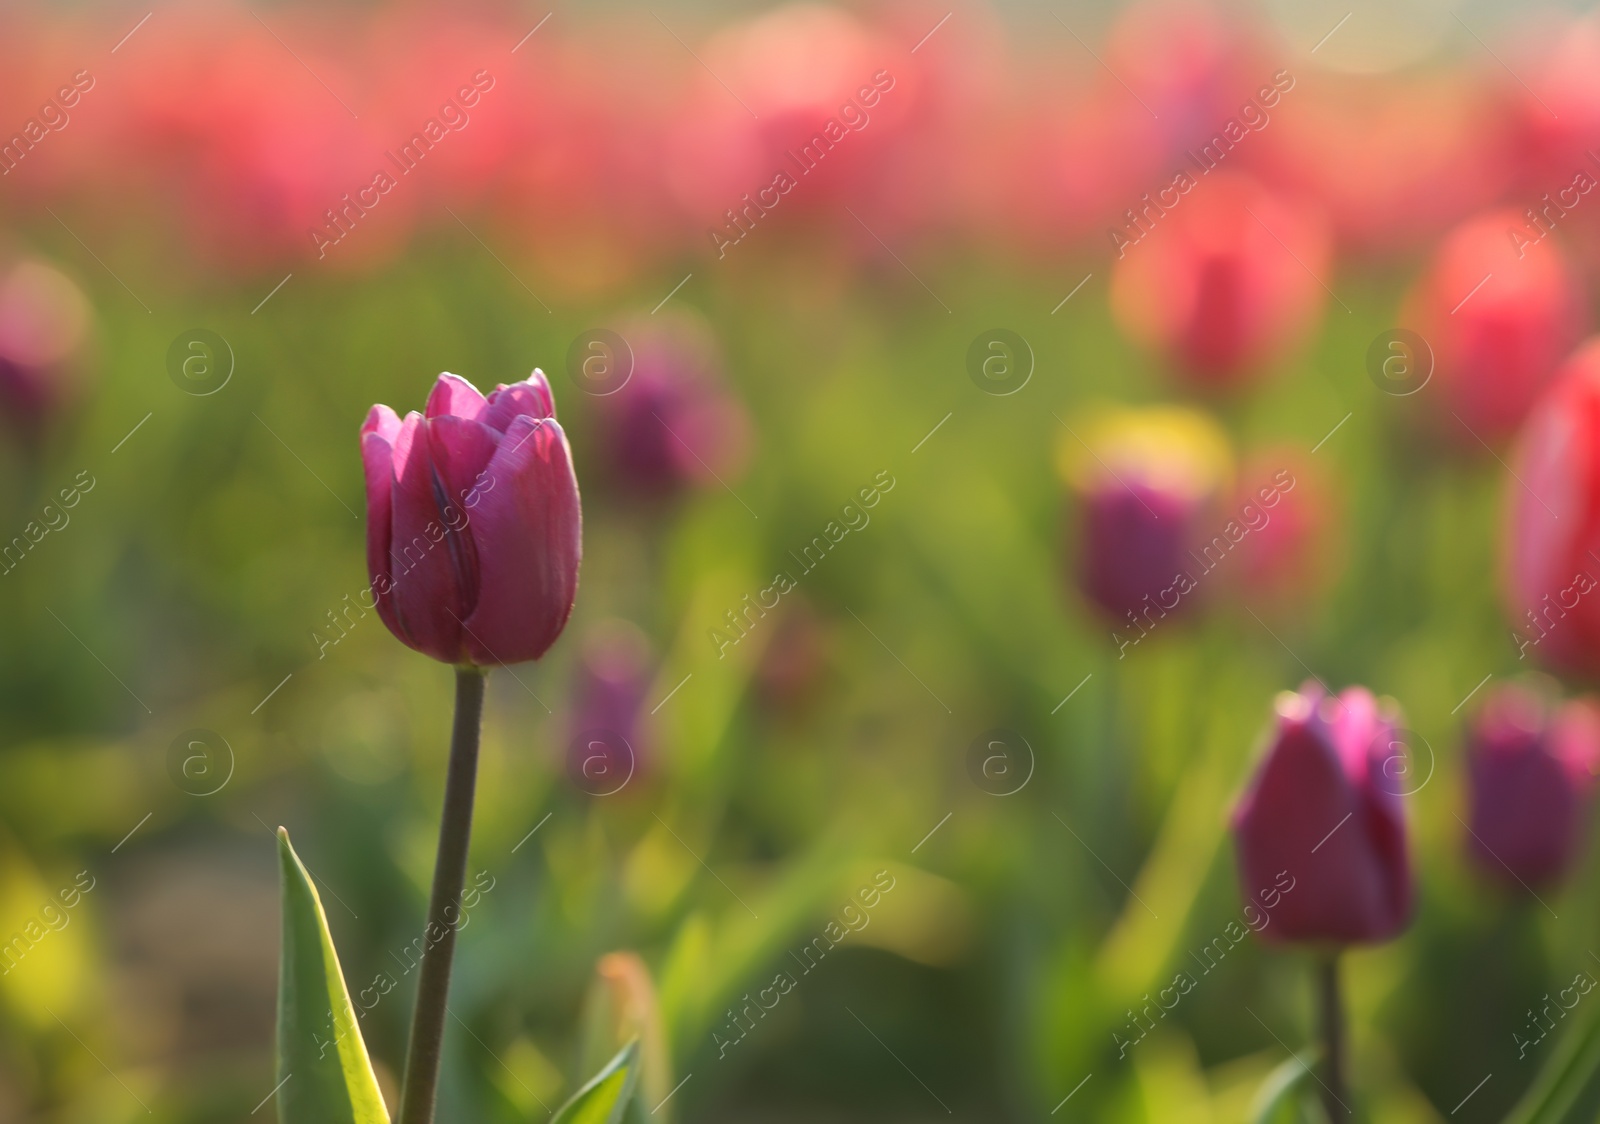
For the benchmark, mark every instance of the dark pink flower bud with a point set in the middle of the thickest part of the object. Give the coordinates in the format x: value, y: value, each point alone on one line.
x: 1551, y: 539
x: 1531, y: 768
x: 673, y: 425
x: 614, y: 675
x: 474, y: 528
x: 1146, y: 481
x: 1323, y: 815
x: 1499, y: 319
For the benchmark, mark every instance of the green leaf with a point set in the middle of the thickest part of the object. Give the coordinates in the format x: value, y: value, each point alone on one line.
x: 1571, y: 1077
x: 608, y: 1094
x: 324, y: 1074
x: 1278, y: 1100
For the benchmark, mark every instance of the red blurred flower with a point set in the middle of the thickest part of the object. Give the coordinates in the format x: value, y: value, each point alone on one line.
x: 1324, y: 807
x: 1552, y: 532
x: 1393, y: 161
x: 474, y: 529
x: 1498, y: 322
x: 1531, y: 766
x: 1224, y: 282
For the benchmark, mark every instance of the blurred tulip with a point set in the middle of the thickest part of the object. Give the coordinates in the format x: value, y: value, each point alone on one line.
x: 672, y: 425
x: 1498, y: 320
x: 1324, y: 811
x: 1223, y: 281
x: 1286, y: 504
x: 474, y: 528
x: 1145, y: 480
x: 1531, y: 767
x: 1394, y: 162
x: 44, y: 320
x: 1551, y: 540
x: 613, y: 677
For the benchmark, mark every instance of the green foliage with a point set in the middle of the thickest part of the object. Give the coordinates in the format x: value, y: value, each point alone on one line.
x: 324, y: 1073
x: 607, y: 1095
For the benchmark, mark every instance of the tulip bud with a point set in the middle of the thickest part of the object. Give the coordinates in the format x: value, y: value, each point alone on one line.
x: 1223, y: 282
x: 1499, y: 319
x: 620, y: 1008
x: 1552, y: 553
x: 672, y: 425
x: 1323, y: 817
x: 474, y: 529
x: 1146, y: 481
x: 44, y: 319
x: 1531, y: 768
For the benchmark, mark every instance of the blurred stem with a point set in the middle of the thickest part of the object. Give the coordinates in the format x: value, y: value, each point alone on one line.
x: 1335, y: 1098
x: 449, y: 877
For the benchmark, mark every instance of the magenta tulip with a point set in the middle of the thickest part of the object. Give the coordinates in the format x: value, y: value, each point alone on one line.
x: 1531, y: 771
x: 1147, y: 482
x: 674, y: 425
x: 474, y: 528
x: 612, y: 679
x: 1324, y: 816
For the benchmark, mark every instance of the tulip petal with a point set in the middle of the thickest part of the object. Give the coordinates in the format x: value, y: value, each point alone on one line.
x: 529, y: 399
x: 454, y: 396
x: 382, y: 421
x: 528, y: 531
x: 460, y: 449
x: 377, y: 461
x: 427, y: 589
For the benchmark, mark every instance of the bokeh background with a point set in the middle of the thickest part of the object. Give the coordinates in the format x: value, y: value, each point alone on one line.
x: 189, y: 339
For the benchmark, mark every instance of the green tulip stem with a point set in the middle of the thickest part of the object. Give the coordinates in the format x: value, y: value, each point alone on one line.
x: 1335, y: 1099
x: 449, y: 878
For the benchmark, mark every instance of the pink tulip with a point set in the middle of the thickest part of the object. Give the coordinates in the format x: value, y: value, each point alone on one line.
x: 1324, y: 810
x: 1551, y: 538
x: 1499, y: 320
x: 1531, y: 767
x: 474, y: 528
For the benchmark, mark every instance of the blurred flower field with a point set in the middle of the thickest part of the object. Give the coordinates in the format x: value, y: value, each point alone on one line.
x: 982, y: 418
